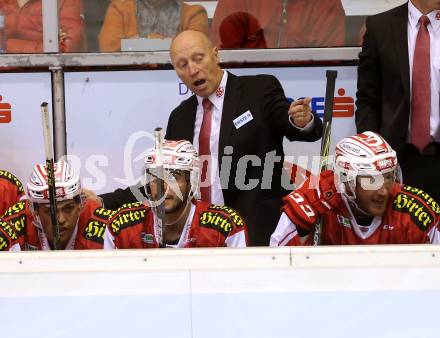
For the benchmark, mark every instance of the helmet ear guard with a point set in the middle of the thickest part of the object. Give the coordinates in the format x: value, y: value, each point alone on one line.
x: 345, y: 184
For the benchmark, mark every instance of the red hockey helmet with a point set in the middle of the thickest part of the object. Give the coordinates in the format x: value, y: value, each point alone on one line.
x: 177, y: 155
x: 365, y: 154
x: 67, y: 183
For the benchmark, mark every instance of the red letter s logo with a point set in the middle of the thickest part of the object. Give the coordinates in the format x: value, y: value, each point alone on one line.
x: 5, y: 112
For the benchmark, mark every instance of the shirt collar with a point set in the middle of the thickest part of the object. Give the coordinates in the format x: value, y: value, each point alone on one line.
x: 414, y: 16
x: 215, y: 98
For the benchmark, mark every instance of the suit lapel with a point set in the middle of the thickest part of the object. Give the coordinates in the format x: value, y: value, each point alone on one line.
x: 400, y: 33
x: 189, y: 120
x: 230, y: 110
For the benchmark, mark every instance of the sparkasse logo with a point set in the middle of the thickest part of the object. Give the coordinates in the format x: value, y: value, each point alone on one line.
x: 5, y: 111
x: 343, y: 106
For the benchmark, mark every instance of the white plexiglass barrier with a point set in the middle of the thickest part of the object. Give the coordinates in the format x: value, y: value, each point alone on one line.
x: 370, y: 291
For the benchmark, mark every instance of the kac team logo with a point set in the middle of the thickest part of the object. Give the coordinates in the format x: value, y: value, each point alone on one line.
x: 5, y: 111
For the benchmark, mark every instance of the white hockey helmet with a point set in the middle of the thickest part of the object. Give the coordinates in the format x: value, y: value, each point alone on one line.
x: 67, y: 183
x: 365, y: 154
x: 177, y: 155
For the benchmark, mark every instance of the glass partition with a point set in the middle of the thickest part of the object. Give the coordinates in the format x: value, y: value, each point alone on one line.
x: 149, y: 25
x: 21, y: 26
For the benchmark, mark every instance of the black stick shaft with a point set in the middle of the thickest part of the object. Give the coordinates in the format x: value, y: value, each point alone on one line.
x: 326, y: 138
x: 158, y: 136
x: 48, y: 146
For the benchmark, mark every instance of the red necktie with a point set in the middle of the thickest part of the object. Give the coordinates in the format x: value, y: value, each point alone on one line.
x: 421, y: 88
x: 204, y: 148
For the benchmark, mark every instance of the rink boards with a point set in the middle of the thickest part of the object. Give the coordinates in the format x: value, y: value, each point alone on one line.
x: 378, y: 291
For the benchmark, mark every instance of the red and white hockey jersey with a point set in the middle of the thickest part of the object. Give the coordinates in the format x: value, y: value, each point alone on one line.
x: 11, y: 190
x: 411, y: 216
x: 17, y: 226
x: 8, y: 237
x: 133, y: 226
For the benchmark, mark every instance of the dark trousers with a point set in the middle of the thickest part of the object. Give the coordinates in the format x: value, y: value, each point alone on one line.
x: 422, y: 170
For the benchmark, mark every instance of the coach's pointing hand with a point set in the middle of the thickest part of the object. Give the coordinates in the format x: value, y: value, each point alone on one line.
x: 300, y: 112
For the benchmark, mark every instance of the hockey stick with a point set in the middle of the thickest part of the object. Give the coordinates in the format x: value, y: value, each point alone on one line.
x: 158, y: 140
x: 326, y: 138
x: 50, y: 173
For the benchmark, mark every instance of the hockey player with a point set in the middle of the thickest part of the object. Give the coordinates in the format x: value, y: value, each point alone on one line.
x: 187, y: 222
x: 82, y: 224
x: 361, y: 201
x: 11, y: 190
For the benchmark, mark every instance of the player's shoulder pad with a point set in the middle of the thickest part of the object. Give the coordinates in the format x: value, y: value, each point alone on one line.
x: 421, y: 207
x: 126, y: 216
x: 7, y: 235
x: 15, y: 210
x: 12, y: 179
x: 221, y: 218
x: 16, y: 216
x: 103, y: 214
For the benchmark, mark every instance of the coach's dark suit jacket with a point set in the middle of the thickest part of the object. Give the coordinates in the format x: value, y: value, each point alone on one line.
x: 263, y: 96
x: 383, y: 96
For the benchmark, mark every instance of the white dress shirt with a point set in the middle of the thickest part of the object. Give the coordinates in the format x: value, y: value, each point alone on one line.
x: 217, y: 108
x: 434, y: 33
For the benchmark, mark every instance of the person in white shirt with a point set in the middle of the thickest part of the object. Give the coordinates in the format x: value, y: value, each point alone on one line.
x: 398, y: 88
x: 238, y: 124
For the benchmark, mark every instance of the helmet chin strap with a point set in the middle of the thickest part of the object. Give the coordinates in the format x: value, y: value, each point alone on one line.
x: 356, y: 207
x: 351, y: 199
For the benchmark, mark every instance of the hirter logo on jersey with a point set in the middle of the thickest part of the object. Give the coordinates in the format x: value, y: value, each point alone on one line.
x: 126, y: 216
x: 424, y: 196
x: 11, y: 178
x: 5, y: 111
x: 4, y: 242
x: 216, y: 221
x: 15, y: 209
x: 6, y: 228
x: 94, y: 231
x: 236, y: 218
x: 104, y: 214
x: 18, y: 223
x: 420, y: 214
